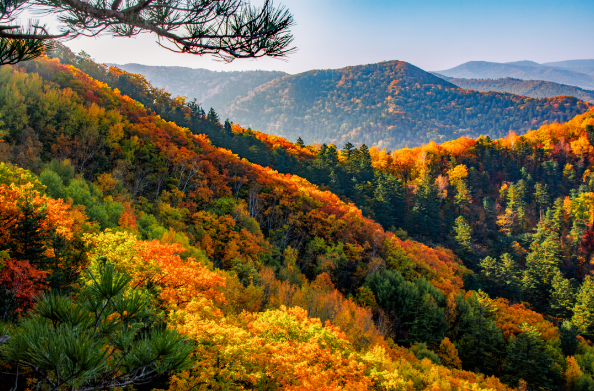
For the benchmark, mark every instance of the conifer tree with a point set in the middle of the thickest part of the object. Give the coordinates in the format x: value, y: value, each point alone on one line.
x: 478, y: 339
x: 300, y: 142
x: 544, y: 259
x: 227, y: 29
x: 105, y: 338
x: 562, y: 297
x: 463, y: 234
x: 212, y: 116
x: 583, y: 312
x: 527, y: 359
x: 568, y: 336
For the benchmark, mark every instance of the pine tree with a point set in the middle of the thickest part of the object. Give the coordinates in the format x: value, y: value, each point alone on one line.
x: 562, y: 297
x: 300, y: 142
x: 106, y: 338
x: 463, y: 234
x: 568, y: 336
x: 527, y: 359
x: 583, y: 312
x: 212, y: 116
x: 478, y: 339
x: 544, y: 259
x: 424, y: 218
x: 590, y: 133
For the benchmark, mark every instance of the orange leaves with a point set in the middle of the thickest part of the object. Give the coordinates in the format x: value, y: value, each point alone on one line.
x: 177, y: 281
x: 59, y: 216
x: 281, y: 348
x: 581, y: 147
x: 22, y: 280
x: 509, y: 319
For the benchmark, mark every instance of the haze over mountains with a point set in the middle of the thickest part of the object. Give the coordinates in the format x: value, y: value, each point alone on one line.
x: 531, y: 88
x: 211, y: 89
x: 578, y: 73
x: 392, y: 104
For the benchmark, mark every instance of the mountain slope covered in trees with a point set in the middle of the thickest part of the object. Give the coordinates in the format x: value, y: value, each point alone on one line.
x: 531, y: 88
x: 210, y: 89
x: 252, y: 265
x: 567, y: 73
x: 390, y: 105
x: 281, y: 284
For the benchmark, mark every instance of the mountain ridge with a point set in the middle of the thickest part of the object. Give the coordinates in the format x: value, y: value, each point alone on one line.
x: 530, y: 88
x: 520, y: 70
x: 390, y: 104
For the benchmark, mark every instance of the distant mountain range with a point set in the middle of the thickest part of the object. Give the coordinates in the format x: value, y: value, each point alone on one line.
x: 531, y: 88
x: 390, y: 104
x: 211, y: 89
x: 578, y: 73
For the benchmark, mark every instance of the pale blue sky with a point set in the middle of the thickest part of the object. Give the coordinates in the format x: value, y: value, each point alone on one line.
x: 431, y: 34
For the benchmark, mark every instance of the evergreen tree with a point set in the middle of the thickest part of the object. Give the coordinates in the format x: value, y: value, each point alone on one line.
x: 590, y: 133
x: 568, y: 336
x: 543, y: 261
x: 212, y: 116
x: 105, y: 338
x: 562, y: 297
x: 502, y: 278
x: 463, y: 235
x: 478, y: 339
x: 527, y: 359
x: 583, y: 312
x: 417, y: 306
x: 300, y: 142
x: 424, y: 219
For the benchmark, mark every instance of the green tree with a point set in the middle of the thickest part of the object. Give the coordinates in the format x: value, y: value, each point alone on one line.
x: 463, y: 235
x: 478, y: 339
x: 583, y: 312
x: 502, y: 278
x: 526, y: 359
x: 544, y: 259
x: 417, y: 306
x: 104, y: 338
x: 424, y: 219
x: 568, y: 335
x: 562, y: 297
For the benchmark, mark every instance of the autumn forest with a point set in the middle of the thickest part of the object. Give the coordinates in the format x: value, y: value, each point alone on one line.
x: 147, y: 243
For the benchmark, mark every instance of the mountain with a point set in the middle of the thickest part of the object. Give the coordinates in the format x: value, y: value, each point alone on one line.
x: 571, y: 64
x: 531, y: 88
x: 210, y: 89
x: 136, y: 235
x: 251, y: 266
x: 391, y: 105
x: 527, y: 70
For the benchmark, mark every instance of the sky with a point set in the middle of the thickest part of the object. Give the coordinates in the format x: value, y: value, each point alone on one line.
x: 431, y: 34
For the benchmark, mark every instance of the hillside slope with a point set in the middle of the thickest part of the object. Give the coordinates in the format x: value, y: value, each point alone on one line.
x: 531, y: 88
x: 523, y: 70
x: 390, y: 104
x: 210, y: 89
x: 166, y: 206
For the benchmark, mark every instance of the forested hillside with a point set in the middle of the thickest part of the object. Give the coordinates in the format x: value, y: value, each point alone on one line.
x: 390, y: 105
x: 568, y: 72
x: 269, y: 281
x: 531, y: 88
x: 210, y: 89
x: 113, y: 214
